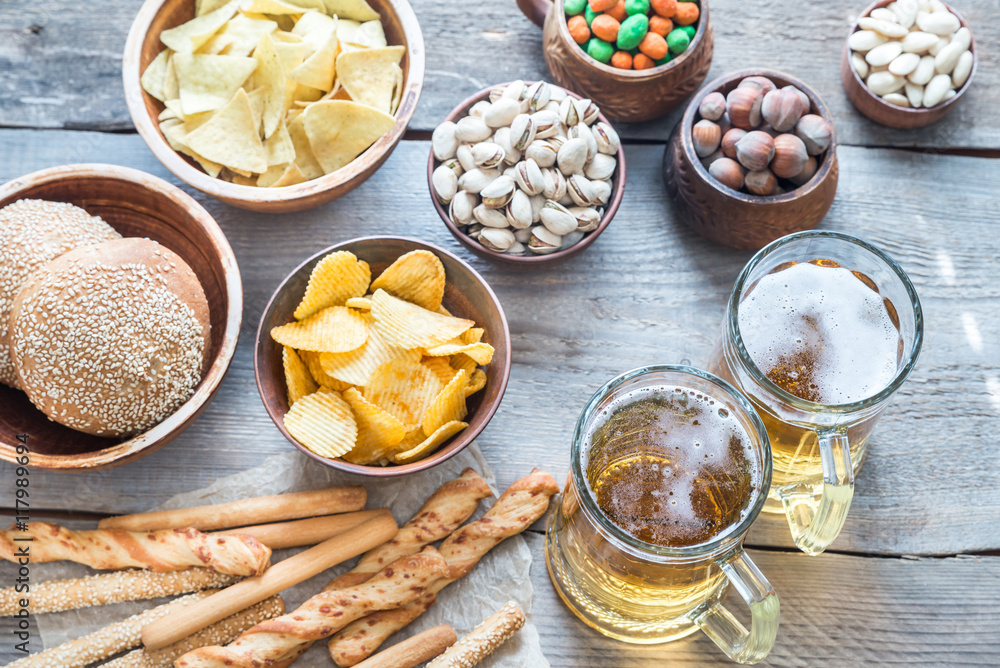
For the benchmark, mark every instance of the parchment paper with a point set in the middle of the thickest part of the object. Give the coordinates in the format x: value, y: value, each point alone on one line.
x: 501, y: 576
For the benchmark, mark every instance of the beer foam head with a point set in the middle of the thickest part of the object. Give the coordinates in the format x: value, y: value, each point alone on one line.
x: 820, y: 333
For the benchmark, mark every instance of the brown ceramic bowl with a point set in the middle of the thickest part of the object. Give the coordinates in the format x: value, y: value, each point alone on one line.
x: 885, y: 113
x: 466, y: 294
x: 624, y: 95
x: 529, y: 259
x: 735, y: 218
x: 137, y: 205
x: 143, y: 44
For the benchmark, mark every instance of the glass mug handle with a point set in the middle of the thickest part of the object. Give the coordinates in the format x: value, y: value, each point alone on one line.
x: 814, y: 526
x: 726, y: 631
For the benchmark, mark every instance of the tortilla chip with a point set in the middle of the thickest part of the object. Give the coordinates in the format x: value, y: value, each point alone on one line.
x: 203, y: 7
x: 245, y: 32
x: 284, y: 36
x: 230, y: 137
x: 371, y: 35
x: 176, y: 134
x: 315, y: 29
x: 339, y: 131
x: 319, y: 69
x: 171, y: 89
x: 279, y: 148
x: 291, y: 176
x: 397, y: 97
x: 359, y: 10
x: 273, y: 7
x: 270, y: 77
x: 368, y: 75
x: 156, y: 71
x: 219, y: 44
x: 305, y: 160
x: 208, y: 82
x: 256, y: 97
x: 187, y: 37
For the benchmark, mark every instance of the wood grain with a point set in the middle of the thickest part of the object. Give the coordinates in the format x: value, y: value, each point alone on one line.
x: 649, y: 290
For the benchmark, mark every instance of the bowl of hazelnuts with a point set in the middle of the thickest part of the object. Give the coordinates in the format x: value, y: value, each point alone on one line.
x: 754, y: 158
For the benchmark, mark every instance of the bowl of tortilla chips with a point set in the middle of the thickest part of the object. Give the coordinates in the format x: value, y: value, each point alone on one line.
x: 273, y: 105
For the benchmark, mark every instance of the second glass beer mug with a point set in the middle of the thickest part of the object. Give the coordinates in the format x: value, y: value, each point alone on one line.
x: 670, y: 467
x: 822, y: 328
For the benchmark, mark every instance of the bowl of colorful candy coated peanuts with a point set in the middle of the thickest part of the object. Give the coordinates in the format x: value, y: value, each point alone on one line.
x: 637, y: 59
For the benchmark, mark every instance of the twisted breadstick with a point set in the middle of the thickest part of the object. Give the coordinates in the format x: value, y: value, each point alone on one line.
x: 443, y: 512
x: 276, y: 641
x: 167, y: 550
x: 517, y: 508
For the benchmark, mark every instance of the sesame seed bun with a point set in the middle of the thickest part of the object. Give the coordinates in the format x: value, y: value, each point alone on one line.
x: 111, y: 339
x: 33, y: 232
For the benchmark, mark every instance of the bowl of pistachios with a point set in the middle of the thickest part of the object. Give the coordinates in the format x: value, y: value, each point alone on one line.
x: 526, y: 173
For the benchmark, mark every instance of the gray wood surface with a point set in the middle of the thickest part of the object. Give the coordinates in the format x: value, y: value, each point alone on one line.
x: 61, y: 62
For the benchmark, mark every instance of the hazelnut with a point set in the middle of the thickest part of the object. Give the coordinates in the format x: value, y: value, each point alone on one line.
x: 712, y: 158
x: 724, y: 123
x: 761, y: 182
x: 706, y: 136
x: 713, y: 106
x: 803, y: 98
x: 755, y: 150
x: 763, y: 84
x: 807, y: 172
x: 782, y: 109
x: 729, y: 141
x: 728, y: 172
x: 790, y: 156
x: 815, y: 133
x: 743, y: 107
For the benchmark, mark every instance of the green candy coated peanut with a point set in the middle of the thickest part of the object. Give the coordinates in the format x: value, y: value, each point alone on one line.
x: 574, y: 7
x: 633, y: 29
x: 664, y: 60
x: 689, y: 30
x: 677, y: 41
x: 600, y: 50
x: 636, y: 7
x: 589, y: 14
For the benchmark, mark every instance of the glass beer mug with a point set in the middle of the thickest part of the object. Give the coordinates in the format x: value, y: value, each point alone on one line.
x: 821, y: 330
x: 670, y: 466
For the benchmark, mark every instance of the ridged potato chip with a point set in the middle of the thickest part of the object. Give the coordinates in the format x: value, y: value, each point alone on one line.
x: 410, y: 326
x: 476, y: 382
x: 448, y: 405
x: 356, y: 367
x: 440, y: 367
x: 472, y: 335
x: 335, y: 279
x: 430, y: 444
x: 417, y: 277
x: 404, y: 388
x: 481, y: 353
x: 336, y: 329
x: 379, y: 432
x: 298, y: 381
x: 360, y: 303
x: 462, y: 361
x: 312, y: 362
x: 324, y: 423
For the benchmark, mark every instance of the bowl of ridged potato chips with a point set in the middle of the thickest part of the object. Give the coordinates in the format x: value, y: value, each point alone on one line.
x: 273, y: 105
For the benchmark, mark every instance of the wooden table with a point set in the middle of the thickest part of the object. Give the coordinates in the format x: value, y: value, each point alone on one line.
x: 914, y: 579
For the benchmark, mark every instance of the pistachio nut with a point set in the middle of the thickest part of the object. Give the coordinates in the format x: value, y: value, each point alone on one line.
x: 523, y: 235
x: 607, y: 139
x: 582, y: 131
x: 538, y: 95
x: 445, y: 184
x: 555, y: 184
x: 600, y: 167
x: 502, y: 139
x: 587, y: 218
x: 566, y: 200
x: 479, y: 109
x: 515, y: 90
x: 522, y: 131
x: 528, y: 177
x: 547, y: 124
x: 519, y: 211
x: 487, y: 154
x: 454, y: 165
x: 602, y: 191
x: 461, y: 207
x: 501, y: 112
x: 509, y: 171
x: 542, y: 152
x: 476, y: 179
x: 537, y: 202
x: 496, y: 239
x: 580, y: 190
x: 586, y: 110
x: 558, y: 140
x: 543, y: 242
x: 517, y: 248
x: 496, y: 93
x: 471, y: 130
x: 572, y: 156
x: 444, y: 143
x: 553, y: 105
x: 557, y: 218
x: 572, y: 238
x: 489, y: 217
x: 475, y: 230
x: 557, y: 94
x: 497, y: 194
x: 464, y: 157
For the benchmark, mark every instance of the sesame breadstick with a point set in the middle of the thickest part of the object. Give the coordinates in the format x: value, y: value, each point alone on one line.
x: 106, y: 642
x: 116, y: 587
x: 483, y: 639
x: 168, y: 550
x: 278, y: 640
x: 218, y: 633
x: 525, y: 501
x: 415, y: 650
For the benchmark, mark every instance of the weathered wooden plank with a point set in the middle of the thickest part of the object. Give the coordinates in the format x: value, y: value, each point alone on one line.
x: 62, y: 63
x: 648, y: 291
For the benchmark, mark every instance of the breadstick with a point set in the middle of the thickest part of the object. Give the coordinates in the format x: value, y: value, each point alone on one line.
x: 483, y: 639
x: 299, y: 533
x: 116, y: 587
x: 415, y: 650
x: 443, y: 512
x: 106, y: 642
x: 218, y: 633
x: 168, y: 550
x: 517, y: 508
x: 260, y: 510
x: 277, y: 640
x: 282, y: 575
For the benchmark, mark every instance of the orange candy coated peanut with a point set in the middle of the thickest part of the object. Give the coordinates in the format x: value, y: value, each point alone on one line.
x: 601, y: 5
x: 642, y: 62
x: 622, y: 60
x: 618, y: 13
x: 653, y: 45
x: 660, y: 25
x: 605, y: 27
x: 578, y: 29
x: 665, y: 8
x: 687, y: 13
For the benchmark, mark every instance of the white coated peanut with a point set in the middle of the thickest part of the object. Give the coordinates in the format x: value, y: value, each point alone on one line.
x: 939, y: 45
x: 866, y: 40
x: 919, y: 41
x: 883, y: 83
x: 915, y: 94
x: 938, y: 22
x: 905, y: 11
x: 884, y: 14
x: 884, y: 54
x: 946, y: 60
x: 887, y: 28
x: 962, y: 70
x: 897, y: 99
x: 924, y: 71
x: 936, y: 90
x: 904, y: 64
x: 860, y: 65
